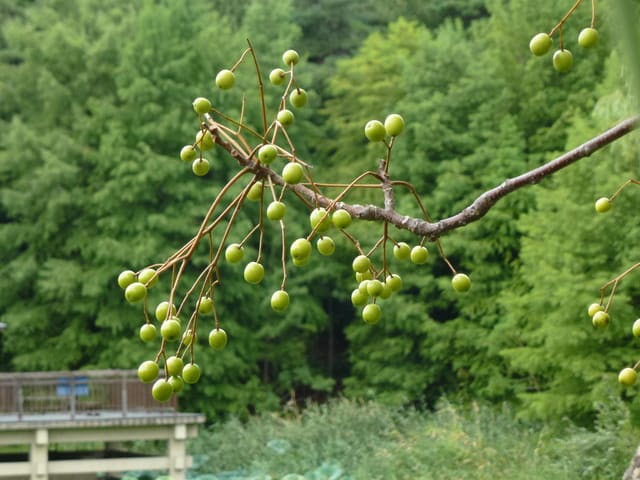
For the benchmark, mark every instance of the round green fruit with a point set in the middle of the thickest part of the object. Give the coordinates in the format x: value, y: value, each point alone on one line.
x: 201, y: 105
x: 394, y: 281
x: 290, y: 57
x: 402, y: 251
x: 205, y: 305
x: 279, y: 300
x: 136, y: 292
x: 292, y: 173
x: 188, y: 338
x: 461, y: 282
x: 326, y: 246
x: 320, y: 220
x: 204, y: 140
x: 277, y: 76
x: 394, y: 124
x: 386, y: 291
x: 562, y: 60
x: 627, y: 377
x: 341, y: 218
x: 267, y: 153
x: 362, y: 286
x: 253, y: 273
x: 374, y: 130
x: 361, y: 264
x: 300, y: 262
x: 374, y: 288
x: 361, y: 276
x: 126, y: 278
x: 298, y: 97
x: 225, y: 79
x: 600, y: 319
x: 359, y: 299
x: 200, y: 167
x: 588, y: 37
x: 419, y: 254
x: 188, y: 153
x: 191, y: 373
x: 540, y: 44
x: 285, y: 117
x: 161, y: 390
x: 255, y: 192
x: 594, y: 308
x: 162, y: 311
x: 234, y: 253
x: 147, y: 332
x: 177, y: 384
x: 276, y: 211
x: 636, y: 328
x: 300, y: 249
x: 603, y: 205
x: 170, y: 329
x: 372, y: 313
x: 217, y: 339
x: 148, y: 371
x: 148, y: 277
x: 174, y: 365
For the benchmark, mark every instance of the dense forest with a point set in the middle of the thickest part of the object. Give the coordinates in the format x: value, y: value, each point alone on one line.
x: 95, y: 104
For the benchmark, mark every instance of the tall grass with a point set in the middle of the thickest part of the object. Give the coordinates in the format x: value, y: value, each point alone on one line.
x: 349, y: 440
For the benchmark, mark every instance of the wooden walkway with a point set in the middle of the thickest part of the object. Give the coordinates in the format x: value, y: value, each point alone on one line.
x: 39, y: 410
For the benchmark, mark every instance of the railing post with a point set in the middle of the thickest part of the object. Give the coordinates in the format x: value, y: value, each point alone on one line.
x: 19, y: 399
x: 125, y: 398
x: 72, y: 392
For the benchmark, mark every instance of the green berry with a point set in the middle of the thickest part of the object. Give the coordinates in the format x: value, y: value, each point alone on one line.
x: 600, y: 319
x: 361, y: 276
x: 188, y: 153
x: 225, y: 79
x: 148, y: 371
x: 279, y: 300
x: 234, y: 253
x: 290, y: 57
x: 174, y: 365
x: 255, y: 192
x: 162, y: 311
x: 135, y: 292
x: 362, y: 286
x: 394, y: 281
x: 402, y: 251
x: 372, y: 313
x: 419, y: 254
x: 394, y: 124
x: 298, y: 97
x: 300, y: 262
x: 217, y: 339
x: 126, y: 278
x: 267, y: 153
x: 200, y: 167
x: 177, y: 384
x: 627, y: 377
x: 320, y: 220
x: 603, y: 205
x: 253, y: 273
x: 201, y: 105
x: 562, y: 60
x: 277, y: 76
x: 191, y: 373
x: 461, y: 282
x: 204, y: 140
x: 540, y: 44
x: 170, y: 329
x: 594, y: 308
x: 359, y: 299
x: 341, y: 219
x: 374, y: 130
x: 361, y: 263
x: 285, y: 117
x: 326, y: 246
x: 188, y: 337
x: 292, y: 173
x: 300, y: 249
x: 588, y: 37
x: 147, y: 332
x: 205, y: 305
x: 636, y: 328
x: 161, y: 390
x: 148, y: 277
x: 374, y: 288
x: 276, y: 211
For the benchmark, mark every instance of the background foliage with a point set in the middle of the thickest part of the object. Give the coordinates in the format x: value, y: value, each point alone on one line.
x: 95, y: 104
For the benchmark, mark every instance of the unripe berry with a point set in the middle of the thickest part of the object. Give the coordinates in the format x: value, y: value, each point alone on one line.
x: 603, y: 205
x: 201, y: 105
x: 374, y: 130
x: 225, y: 79
x: 562, y: 60
x: 277, y: 76
x: 290, y: 57
x: 588, y: 37
x: 540, y: 44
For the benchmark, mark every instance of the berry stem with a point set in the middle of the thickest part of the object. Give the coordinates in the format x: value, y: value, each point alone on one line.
x: 263, y: 106
x: 564, y: 19
x: 593, y: 13
x: 622, y: 187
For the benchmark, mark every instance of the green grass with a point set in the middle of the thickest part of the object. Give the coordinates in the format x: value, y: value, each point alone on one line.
x: 348, y: 440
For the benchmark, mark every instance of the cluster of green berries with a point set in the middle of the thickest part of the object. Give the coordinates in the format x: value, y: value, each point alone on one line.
x: 176, y: 372
x: 541, y: 43
x: 376, y: 131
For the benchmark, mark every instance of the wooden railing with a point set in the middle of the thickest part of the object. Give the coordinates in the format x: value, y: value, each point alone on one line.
x: 77, y: 393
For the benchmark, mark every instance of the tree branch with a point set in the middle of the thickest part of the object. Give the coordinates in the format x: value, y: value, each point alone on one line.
x: 432, y: 230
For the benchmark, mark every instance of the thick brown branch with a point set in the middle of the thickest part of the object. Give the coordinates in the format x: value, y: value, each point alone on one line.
x: 433, y: 230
